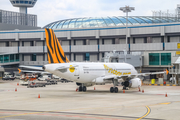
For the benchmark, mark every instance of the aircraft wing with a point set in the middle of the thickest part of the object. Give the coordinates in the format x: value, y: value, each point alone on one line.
x: 152, y: 73
x: 31, y: 67
x: 110, y: 77
x: 27, y: 71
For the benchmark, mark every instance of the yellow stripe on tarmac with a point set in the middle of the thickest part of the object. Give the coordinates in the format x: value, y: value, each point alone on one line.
x: 20, y: 114
x: 165, y: 103
x: 148, y: 111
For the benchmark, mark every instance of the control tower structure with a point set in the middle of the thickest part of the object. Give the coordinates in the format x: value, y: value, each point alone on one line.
x: 178, y: 10
x: 23, y: 4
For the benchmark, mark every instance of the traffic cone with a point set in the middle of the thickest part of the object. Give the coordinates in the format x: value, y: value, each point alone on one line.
x: 76, y: 89
x: 39, y: 96
x: 17, y: 84
x: 94, y: 88
x: 142, y: 91
x: 166, y: 95
x: 123, y: 91
x: 15, y: 89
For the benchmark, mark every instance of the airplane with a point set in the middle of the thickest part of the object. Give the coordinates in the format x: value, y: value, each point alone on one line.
x: 88, y: 74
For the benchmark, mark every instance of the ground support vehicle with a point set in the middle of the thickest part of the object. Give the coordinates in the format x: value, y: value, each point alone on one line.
x: 8, y: 78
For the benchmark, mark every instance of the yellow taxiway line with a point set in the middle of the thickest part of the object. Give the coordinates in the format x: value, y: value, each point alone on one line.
x: 147, y: 113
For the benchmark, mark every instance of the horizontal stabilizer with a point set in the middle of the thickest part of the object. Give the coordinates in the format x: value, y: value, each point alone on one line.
x: 31, y: 67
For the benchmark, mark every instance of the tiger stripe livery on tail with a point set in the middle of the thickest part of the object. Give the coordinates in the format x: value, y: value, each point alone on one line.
x: 55, y: 52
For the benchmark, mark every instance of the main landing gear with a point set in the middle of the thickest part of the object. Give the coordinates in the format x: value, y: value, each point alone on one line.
x: 114, y: 89
x: 82, y: 88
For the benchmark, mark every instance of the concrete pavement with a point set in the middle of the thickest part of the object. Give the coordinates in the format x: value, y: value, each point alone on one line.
x: 63, y: 102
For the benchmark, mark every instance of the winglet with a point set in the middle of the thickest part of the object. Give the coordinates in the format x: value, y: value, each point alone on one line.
x: 167, y: 72
x: 19, y: 70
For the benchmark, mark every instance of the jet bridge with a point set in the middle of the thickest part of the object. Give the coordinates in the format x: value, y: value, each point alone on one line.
x: 174, y: 71
x: 134, y: 58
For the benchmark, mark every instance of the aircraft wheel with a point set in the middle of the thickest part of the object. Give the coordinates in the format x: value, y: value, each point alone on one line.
x: 116, y: 90
x: 80, y: 88
x: 124, y: 88
x: 84, y: 88
x: 111, y: 89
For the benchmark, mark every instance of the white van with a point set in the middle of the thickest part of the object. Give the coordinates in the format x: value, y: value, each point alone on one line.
x: 44, y: 77
x: 8, y: 74
x: 17, y: 76
x: 55, y: 77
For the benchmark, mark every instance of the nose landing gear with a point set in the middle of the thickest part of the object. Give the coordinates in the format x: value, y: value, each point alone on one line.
x: 114, y: 89
x: 82, y: 88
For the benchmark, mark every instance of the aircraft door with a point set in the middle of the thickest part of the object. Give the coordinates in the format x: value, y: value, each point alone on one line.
x: 76, y: 71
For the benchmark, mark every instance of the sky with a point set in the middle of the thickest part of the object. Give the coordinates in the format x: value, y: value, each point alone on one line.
x: 53, y: 10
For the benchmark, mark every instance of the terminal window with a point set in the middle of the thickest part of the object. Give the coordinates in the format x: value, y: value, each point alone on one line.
x: 165, y: 58
x: 153, y: 58
x: 1, y: 58
x: 17, y: 57
x: 159, y: 58
x: 87, y: 57
x: 6, y: 58
x: 12, y: 58
x: 33, y: 57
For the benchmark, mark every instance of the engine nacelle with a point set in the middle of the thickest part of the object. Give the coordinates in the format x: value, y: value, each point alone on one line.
x: 135, y: 83
x: 85, y: 84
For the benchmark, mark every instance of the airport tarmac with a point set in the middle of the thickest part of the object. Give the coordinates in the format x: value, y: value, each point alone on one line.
x: 64, y: 103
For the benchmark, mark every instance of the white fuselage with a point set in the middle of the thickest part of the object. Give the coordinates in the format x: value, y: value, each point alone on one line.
x: 87, y: 72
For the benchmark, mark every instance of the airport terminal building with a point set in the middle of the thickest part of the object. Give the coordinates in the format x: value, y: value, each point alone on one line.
x: 87, y: 39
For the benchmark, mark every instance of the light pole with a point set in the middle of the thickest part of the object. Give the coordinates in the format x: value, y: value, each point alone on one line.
x: 126, y: 9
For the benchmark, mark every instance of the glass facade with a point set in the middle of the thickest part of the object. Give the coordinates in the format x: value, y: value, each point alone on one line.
x: 17, y: 18
x: 87, y: 57
x: 17, y: 57
x: 1, y: 58
x: 6, y: 58
x: 165, y: 58
x: 159, y: 58
x: 33, y: 57
x: 108, y: 21
x: 154, y: 59
x: 9, y: 58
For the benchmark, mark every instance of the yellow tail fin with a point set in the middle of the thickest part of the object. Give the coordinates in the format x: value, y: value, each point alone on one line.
x: 55, y: 52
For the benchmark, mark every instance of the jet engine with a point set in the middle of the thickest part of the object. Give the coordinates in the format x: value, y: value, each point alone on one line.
x: 134, y: 83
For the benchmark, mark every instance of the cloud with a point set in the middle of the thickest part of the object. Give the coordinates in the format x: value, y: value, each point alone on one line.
x: 53, y: 10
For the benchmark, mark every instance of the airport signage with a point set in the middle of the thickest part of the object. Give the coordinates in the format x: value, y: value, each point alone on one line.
x: 178, y: 45
x: 177, y: 52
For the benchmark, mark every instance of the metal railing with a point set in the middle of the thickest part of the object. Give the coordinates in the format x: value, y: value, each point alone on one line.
x: 16, y: 18
x: 174, y: 71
